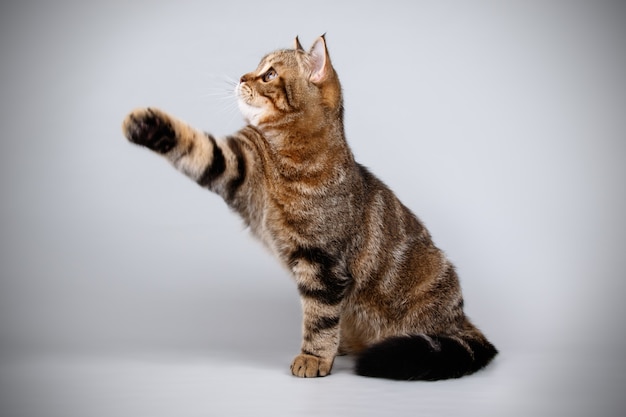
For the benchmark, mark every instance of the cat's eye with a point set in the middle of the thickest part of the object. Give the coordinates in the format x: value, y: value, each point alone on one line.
x: 270, y: 75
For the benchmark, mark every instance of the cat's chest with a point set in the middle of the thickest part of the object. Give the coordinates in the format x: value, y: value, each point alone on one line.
x: 288, y: 223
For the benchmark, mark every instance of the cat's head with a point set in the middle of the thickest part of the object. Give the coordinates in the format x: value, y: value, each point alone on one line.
x: 291, y: 86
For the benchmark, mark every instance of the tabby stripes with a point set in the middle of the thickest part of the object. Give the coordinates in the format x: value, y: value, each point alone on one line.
x: 333, y: 286
x: 215, y: 168
x: 219, y: 168
x: 319, y: 325
x: 237, y: 181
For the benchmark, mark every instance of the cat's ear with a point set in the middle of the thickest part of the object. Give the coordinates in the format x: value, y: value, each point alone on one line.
x: 298, y: 45
x: 321, y: 68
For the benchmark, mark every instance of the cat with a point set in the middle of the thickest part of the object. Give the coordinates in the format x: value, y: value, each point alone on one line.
x: 371, y: 281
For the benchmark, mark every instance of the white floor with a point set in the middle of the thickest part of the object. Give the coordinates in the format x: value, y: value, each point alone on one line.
x: 227, y: 384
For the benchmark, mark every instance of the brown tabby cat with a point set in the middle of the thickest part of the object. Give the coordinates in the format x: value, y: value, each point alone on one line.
x: 372, y: 283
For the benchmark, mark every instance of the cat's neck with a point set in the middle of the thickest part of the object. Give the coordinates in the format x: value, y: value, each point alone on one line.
x: 300, y: 151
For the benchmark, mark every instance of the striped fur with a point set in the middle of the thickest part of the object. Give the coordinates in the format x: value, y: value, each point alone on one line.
x: 371, y: 281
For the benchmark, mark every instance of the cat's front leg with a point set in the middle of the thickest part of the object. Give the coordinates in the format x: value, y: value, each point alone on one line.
x: 320, y: 339
x: 191, y: 151
x: 221, y: 165
x: 322, y: 290
x: 152, y: 128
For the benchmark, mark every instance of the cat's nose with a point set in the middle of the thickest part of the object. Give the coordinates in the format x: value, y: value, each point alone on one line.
x: 243, y: 79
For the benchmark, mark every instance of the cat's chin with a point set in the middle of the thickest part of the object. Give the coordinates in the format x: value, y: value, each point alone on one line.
x: 251, y: 114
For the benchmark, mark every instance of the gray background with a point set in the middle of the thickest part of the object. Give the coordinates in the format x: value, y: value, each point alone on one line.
x: 501, y: 124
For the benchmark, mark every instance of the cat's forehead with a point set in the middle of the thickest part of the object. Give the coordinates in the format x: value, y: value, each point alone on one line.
x: 280, y: 58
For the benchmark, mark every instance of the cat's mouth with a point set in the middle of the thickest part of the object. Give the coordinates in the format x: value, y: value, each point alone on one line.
x: 244, y: 94
x: 245, y: 100
x: 250, y: 112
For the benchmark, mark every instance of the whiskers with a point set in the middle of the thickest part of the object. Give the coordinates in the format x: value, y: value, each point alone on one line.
x: 221, y: 86
x: 220, y: 92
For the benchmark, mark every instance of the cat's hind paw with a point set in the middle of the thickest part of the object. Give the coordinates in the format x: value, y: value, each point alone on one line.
x: 309, y: 366
x: 150, y: 128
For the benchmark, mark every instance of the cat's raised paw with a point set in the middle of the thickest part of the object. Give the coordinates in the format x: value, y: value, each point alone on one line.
x: 150, y: 128
x: 309, y: 366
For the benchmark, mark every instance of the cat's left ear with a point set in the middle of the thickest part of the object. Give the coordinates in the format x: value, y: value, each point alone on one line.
x: 298, y: 45
x: 321, y: 68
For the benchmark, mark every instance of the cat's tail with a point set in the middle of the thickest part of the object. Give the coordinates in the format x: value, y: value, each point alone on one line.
x: 422, y: 357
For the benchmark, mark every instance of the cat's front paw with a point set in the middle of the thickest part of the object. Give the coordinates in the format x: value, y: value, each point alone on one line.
x: 150, y: 128
x: 309, y: 366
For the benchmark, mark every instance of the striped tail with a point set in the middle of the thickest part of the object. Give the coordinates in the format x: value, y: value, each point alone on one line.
x: 421, y: 357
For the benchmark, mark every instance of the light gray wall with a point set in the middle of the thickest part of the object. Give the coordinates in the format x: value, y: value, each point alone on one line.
x: 501, y: 124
